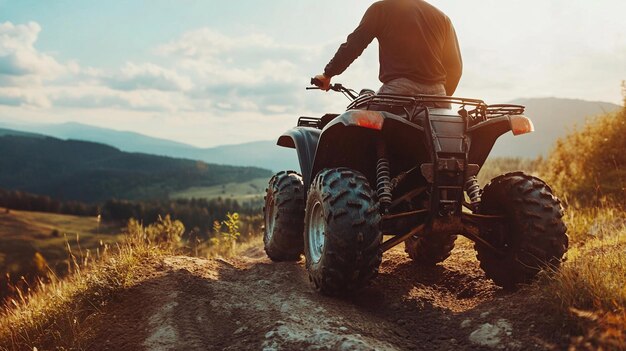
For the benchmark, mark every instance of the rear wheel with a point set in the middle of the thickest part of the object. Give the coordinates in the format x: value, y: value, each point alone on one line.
x: 342, y: 234
x: 533, y: 236
x: 429, y: 251
x: 284, y: 217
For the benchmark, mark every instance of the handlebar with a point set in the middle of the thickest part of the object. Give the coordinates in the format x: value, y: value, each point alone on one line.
x: 349, y: 93
x: 318, y: 83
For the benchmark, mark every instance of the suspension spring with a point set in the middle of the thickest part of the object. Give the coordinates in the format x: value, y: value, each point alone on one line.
x: 473, y: 189
x: 383, y: 182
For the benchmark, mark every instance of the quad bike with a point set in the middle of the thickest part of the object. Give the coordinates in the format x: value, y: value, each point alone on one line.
x: 405, y: 167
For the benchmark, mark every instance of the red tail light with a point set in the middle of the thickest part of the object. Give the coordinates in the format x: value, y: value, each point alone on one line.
x: 369, y: 119
x: 521, y: 125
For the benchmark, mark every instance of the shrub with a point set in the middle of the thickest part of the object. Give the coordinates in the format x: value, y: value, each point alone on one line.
x: 165, y: 233
x: 588, y: 166
x: 223, y: 243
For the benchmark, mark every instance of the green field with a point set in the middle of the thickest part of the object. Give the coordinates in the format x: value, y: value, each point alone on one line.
x: 245, y: 192
x: 24, y: 234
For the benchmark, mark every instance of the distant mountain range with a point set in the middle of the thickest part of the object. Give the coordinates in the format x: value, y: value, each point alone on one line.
x: 93, y: 172
x: 553, y: 118
x: 263, y: 154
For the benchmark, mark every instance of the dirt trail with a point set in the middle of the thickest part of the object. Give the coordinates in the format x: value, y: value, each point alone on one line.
x: 251, y: 303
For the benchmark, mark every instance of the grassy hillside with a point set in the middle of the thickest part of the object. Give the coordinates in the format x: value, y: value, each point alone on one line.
x: 244, y: 192
x: 85, y: 171
x: 53, y: 316
x: 30, y: 242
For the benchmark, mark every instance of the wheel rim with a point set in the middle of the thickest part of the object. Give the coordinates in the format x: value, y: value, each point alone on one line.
x: 270, y: 220
x: 316, y: 232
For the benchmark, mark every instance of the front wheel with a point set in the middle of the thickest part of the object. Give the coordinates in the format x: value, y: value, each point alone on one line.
x: 342, y: 236
x: 284, y: 217
x: 532, y: 236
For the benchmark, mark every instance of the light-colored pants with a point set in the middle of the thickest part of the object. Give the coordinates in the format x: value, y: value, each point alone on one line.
x: 405, y: 86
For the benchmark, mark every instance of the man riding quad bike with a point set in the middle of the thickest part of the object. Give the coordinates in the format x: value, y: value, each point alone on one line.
x: 393, y: 166
x: 403, y: 163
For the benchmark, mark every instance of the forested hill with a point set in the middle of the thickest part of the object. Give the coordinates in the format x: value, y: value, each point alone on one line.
x: 91, y: 172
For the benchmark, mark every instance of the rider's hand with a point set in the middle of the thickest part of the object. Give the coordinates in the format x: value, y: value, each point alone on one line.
x: 325, y: 82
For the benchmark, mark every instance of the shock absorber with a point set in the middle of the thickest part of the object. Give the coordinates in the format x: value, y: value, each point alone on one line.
x: 383, y: 182
x: 473, y: 190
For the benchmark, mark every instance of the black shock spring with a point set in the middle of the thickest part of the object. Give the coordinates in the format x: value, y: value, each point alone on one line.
x: 473, y: 189
x: 383, y: 182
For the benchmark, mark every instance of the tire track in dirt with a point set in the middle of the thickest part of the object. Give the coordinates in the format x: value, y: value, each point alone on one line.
x: 251, y: 303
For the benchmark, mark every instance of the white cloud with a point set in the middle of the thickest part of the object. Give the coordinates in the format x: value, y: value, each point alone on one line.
x: 206, y: 42
x: 18, y: 56
x: 148, y: 76
x: 221, y: 82
x: 203, y: 71
x: 98, y: 97
x: 23, y: 69
x: 250, y: 72
x: 31, y: 78
x: 22, y: 97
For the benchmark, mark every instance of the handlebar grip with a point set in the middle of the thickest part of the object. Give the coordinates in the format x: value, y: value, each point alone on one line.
x: 318, y: 83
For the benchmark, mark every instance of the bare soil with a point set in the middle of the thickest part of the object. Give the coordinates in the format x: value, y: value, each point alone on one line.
x: 251, y: 303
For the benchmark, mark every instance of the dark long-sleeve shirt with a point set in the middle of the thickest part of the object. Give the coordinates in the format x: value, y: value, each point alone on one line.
x: 416, y: 40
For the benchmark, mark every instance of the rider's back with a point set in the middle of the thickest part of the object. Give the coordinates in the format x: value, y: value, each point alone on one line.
x: 412, y: 35
x: 417, y: 44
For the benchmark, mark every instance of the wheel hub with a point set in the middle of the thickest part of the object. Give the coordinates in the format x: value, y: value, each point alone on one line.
x: 316, y: 232
x: 270, y: 220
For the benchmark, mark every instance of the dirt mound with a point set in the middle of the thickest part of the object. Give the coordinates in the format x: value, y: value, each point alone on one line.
x: 250, y: 303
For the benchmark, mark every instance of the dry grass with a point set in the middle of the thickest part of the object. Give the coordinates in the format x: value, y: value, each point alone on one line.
x: 52, y: 315
x: 589, y: 290
x: 588, y: 168
x: 586, y: 223
x: 594, y: 276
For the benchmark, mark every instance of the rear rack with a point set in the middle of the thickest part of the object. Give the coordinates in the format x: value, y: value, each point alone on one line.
x: 481, y: 110
x: 504, y: 109
x: 416, y: 100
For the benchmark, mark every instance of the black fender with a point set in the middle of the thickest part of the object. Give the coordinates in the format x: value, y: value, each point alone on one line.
x: 484, y: 135
x: 350, y: 139
x: 304, y: 140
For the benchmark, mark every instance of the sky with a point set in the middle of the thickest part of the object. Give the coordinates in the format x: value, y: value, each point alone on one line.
x: 209, y: 72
